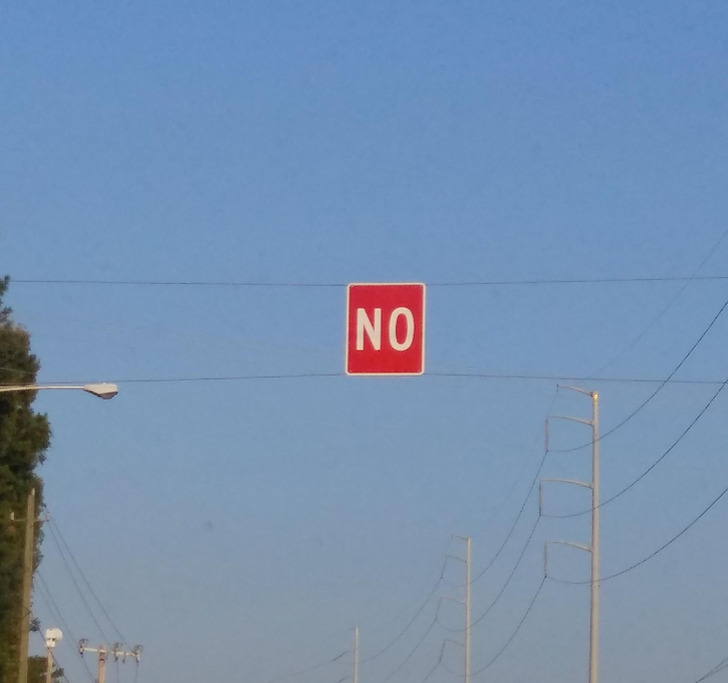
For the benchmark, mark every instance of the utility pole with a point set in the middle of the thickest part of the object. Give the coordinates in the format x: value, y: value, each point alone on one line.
x: 355, y: 677
x: 102, y: 651
x: 27, y: 586
x: 466, y: 630
x: 467, y: 610
x: 594, y: 547
x: 53, y: 636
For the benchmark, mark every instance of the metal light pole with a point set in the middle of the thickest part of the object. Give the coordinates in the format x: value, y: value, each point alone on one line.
x: 594, y: 547
x: 467, y: 610
x: 466, y: 603
x: 103, y: 390
x: 355, y: 677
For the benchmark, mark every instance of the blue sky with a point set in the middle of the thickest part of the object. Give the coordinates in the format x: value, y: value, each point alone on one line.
x: 240, y: 528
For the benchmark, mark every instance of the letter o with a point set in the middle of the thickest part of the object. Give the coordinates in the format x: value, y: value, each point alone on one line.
x: 409, y: 337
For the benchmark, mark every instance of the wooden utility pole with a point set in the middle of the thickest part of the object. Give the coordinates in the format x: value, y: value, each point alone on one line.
x: 27, y: 587
x: 115, y: 650
x: 53, y: 636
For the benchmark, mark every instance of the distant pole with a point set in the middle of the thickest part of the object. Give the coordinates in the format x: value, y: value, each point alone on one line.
x: 467, y: 610
x: 27, y: 586
x: 594, y: 621
x: 102, y: 665
x: 356, y: 655
x: 466, y: 603
x: 102, y: 651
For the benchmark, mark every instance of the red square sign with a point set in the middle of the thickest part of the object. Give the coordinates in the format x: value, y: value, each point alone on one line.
x: 385, y: 329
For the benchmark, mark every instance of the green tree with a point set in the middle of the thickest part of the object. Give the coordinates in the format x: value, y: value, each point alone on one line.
x: 24, y: 438
x: 37, y: 671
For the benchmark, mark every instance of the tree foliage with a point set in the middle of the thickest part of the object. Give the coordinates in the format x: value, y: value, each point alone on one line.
x: 37, y: 671
x: 24, y: 438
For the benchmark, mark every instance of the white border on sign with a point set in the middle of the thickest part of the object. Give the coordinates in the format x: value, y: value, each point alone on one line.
x: 424, y: 318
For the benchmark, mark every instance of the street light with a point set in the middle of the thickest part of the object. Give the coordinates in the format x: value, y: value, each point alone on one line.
x: 105, y: 390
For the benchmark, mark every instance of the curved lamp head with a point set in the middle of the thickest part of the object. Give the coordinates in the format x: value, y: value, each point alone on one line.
x: 105, y: 390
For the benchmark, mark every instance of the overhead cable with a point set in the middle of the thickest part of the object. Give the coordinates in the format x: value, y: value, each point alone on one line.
x: 515, y: 522
x: 409, y: 656
x: 510, y: 576
x: 652, y: 466
x: 471, y: 375
x: 669, y: 304
x: 308, y: 669
x: 651, y: 555
x: 655, y: 392
x: 54, y: 526
x: 720, y: 666
x: 513, y: 635
x: 407, y: 626
x: 53, y: 607
x: 75, y: 583
x: 302, y: 285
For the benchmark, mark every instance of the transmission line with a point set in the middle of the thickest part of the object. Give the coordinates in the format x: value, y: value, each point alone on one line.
x: 54, y: 526
x: 306, y: 285
x: 515, y: 632
x: 417, y: 613
x: 308, y: 669
x: 510, y: 576
x: 53, y: 607
x: 652, y: 466
x: 653, y: 554
x: 669, y: 304
x: 723, y: 664
x: 656, y: 391
x: 412, y: 651
x: 515, y: 522
x: 75, y: 583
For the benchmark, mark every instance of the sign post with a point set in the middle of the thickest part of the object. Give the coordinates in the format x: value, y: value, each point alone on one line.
x: 385, y: 329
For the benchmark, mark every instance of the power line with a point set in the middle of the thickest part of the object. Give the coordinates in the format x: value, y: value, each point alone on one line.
x: 634, y: 482
x: 54, y: 525
x: 417, y: 613
x: 515, y: 632
x: 303, y: 285
x: 75, y: 583
x: 470, y: 375
x: 679, y: 293
x: 652, y: 554
x: 510, y: 576
x: 313, y: 667
x: 515, y: 523
x: 656, y: 391
x: 53, y: 606
x: 434, y: 668
x: 716, y: 669
x: 412, y: 651
x: 669, y: 304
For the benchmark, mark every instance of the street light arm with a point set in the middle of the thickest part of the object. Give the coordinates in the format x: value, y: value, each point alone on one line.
x: 105, y: 390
